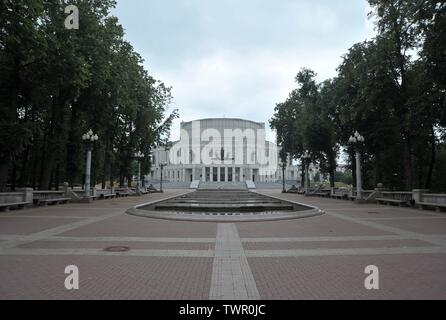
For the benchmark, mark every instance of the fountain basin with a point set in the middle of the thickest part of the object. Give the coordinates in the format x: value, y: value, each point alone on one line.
x: 224, y: 206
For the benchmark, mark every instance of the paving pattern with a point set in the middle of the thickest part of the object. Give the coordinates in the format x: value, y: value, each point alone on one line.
x: 321, y: 257
x: 231, y: 274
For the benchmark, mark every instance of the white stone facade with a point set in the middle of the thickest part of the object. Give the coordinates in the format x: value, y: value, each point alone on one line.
x: 230, y: 159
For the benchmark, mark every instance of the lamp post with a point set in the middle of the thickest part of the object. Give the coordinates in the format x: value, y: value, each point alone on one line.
x: 356, y: 140
x: 89, y: 139
x: 139, y: 155
x: 306, y: 159
x: 167, y: 147
x: 162, y: 165
x: 283, y: 176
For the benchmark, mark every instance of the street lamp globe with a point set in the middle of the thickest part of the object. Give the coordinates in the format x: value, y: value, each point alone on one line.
x: 90, y: 136
x: 139, y: 154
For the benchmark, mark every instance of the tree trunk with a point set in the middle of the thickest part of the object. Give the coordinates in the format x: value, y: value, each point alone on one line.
x: 10, y: 119
x: 408, y: 172
x: 104, y: 172
x: 428, y: 182
x: 378, y: 169
x: 4, y: 170
x: 73, y: 161
x: 332, y: 167
x: 129, y: 180
x: 55, y: 135
x: 353, y: 161
x: 57, y: 178
x: 24, y: 169
x: 13, y: 177
x: 48, y: 161
x: 121, y: 177
x: 112, y: 183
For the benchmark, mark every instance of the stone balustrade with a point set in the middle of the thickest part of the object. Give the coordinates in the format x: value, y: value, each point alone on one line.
x: 434, y: 198
x: 44, y: 195
x: 13, y: 197
x: 340, y: 193
x: 397, y: 195
x: 420, y: 198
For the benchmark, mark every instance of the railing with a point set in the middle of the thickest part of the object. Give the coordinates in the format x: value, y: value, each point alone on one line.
x: 12, y: 197
x: 100, y: 192
x: 46, y: 195
x: 342, y: 193
x: 433, y: 198
x: 397, y: 195
x: 125, y: 190
x: 80, y: 192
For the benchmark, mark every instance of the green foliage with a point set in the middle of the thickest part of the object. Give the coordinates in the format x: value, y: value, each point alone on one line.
x: 395, y: 100
x: 59, y: 83
x: 344, y: 177
x: 303, y: 123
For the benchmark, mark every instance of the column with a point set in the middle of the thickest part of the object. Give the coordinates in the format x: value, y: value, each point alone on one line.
x: 226, y: 174
x: 358, y: 176
x: 184, y: 179
x: 87, y: 174
x: 193, y: 174
x: 211, y: 174
x: 251, y: 173
x: 218, y: 174
x: 203, y: 174
x: 233, y: 174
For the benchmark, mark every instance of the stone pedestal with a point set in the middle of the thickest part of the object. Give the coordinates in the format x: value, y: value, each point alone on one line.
x: 417, y: 194
x: 28, y: 195
x: 85, y: 200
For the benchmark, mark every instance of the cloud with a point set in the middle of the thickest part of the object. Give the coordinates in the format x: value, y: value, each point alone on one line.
x: 239, y: 58
x: 247, y: 85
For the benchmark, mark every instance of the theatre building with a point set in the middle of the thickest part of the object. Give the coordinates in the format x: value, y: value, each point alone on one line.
x: 221, y: 150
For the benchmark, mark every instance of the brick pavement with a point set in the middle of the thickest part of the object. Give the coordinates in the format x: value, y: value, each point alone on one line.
x: 320, y: 257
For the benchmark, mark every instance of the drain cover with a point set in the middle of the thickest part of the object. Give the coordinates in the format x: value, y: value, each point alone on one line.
x: 117, y: 249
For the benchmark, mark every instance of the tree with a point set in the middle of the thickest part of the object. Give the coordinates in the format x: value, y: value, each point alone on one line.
x: 304, y: 123
x: 66, y: 82
x: 391, y: 89
x: 21, y: 46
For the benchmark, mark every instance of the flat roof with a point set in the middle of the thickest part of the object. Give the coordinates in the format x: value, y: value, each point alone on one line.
x: 219, y: 119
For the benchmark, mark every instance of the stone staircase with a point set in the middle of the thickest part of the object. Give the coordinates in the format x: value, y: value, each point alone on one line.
x: 222, y: 186
x: 217, y: 200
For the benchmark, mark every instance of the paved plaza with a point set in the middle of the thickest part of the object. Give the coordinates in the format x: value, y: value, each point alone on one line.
x: 322, y: 257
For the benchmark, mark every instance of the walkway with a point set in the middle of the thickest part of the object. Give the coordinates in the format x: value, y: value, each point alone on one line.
x: 322, y: 257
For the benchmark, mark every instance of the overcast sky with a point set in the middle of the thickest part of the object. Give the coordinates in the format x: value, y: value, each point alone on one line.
x: 238, y: 58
